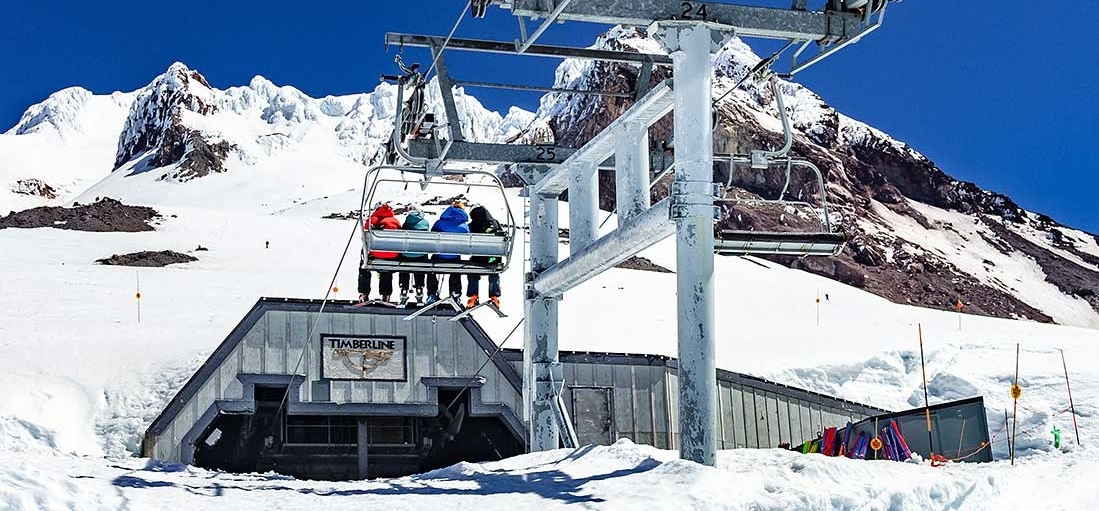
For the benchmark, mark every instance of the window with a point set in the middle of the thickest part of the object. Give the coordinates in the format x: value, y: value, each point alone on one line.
x: 390, y: 431
x: 313, y: 430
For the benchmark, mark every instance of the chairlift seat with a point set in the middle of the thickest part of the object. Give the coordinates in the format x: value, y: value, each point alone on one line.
x: 733, y: 242
x: 430, y: 242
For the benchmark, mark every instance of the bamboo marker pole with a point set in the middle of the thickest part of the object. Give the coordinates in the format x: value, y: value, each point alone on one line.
x: 1016, y: 391
x: 1071, y: 407
x: 138, y: 295
x: 926, y: 407
x: 818, y: 306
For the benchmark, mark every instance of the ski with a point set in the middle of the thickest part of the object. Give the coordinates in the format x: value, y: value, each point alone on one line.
x: 374, y: 302
x: 490, y: 305
x: 900, y: 439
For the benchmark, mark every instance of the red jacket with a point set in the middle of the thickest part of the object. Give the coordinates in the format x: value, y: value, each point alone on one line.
x: 382, y: 218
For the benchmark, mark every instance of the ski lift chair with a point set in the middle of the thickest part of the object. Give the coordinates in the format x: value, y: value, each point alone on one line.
x: 498, y: 246
x: 825, y: 241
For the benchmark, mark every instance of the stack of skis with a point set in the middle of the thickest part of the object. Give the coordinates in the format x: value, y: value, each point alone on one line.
x: 843, y: 442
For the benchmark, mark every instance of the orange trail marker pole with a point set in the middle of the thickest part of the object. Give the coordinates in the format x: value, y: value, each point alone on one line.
x: 1016, y: 391
x: 1070, y: 405
x: 926, y: 408
x: 959, y: 306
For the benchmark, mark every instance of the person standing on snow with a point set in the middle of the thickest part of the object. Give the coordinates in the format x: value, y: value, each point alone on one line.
x: 381, y: 218
x: 414, y: 221
x: 481, y: 222
x: 455, y: 220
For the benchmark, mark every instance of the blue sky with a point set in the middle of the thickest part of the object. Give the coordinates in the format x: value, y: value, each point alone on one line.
x: 1003, y: 96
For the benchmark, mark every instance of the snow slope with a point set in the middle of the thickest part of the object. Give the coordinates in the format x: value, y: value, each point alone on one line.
x: 104, y: 375
x: 85, y: 377
x: 66, y: 142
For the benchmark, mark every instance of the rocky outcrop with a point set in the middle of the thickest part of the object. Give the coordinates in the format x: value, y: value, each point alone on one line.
x: 105, y: 215
x: 35, y: 187
x: 156, y: 127
x: 147, y: 259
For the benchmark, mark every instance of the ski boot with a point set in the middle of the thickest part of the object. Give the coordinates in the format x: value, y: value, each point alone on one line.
x: 420, y: 296
x: 431, y: 299
x: 472, y: 302
x: 495, y: 301
x: 404, y: 298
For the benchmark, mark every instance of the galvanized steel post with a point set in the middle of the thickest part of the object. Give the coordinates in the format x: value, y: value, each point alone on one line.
x: 690, y: 45
x: 583, y: 205
x: 540, y: 360
x: 631, y: 167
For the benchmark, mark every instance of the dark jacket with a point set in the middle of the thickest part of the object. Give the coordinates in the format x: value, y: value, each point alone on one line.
x: 415, y: 221
x: 454, y: 219
x: 382, y: 218
x: 481, y: 222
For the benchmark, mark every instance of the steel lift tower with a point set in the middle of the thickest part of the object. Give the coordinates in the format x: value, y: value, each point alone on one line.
x: 690, y: 32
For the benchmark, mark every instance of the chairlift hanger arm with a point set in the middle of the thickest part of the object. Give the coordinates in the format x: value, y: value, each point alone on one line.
x: 535, y: 50
x: 750, y: 21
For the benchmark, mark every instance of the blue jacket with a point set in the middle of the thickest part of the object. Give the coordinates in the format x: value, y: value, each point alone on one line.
x: 454, y: 219
x: 415, y: 221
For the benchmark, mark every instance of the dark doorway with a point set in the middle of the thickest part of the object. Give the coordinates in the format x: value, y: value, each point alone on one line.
x: 327, y: 446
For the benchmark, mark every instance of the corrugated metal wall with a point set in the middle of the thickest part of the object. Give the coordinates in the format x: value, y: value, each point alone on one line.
x: 640, y: 391
x: 753, y: 413
x: 273, y: 345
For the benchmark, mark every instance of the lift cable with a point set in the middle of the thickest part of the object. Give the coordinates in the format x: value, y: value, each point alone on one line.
x: 763, y: 64
x: 482, y: 368
x: 449, y: 36
x: 320, y: 312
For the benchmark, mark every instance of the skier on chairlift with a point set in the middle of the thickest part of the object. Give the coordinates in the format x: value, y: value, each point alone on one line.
x: 482, y: 222
x: 454, y: 219
x: 414, y: 221
x: 381, y: 218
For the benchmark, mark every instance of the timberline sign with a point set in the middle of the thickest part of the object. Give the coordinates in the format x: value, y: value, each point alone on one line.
x: 364, y: 357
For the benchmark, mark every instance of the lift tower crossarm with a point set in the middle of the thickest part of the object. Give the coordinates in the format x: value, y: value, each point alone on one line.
x: 535, y: 50
x: 750, y: 21
x: 649, y: 109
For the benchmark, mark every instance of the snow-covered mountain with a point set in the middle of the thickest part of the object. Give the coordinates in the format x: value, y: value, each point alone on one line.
x: 917, y: 235
x: 179, y: 128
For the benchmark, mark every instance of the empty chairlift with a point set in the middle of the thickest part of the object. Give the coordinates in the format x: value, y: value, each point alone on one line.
x: 824, y: 240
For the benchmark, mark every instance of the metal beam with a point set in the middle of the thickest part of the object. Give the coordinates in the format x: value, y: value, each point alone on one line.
x: 631, y: 170
x: 536, y: 88
x: 656, y: 104
x: 446, y: 91
x: 641, y: 232
x: 541, y: 369
x: 583, y: 206
x: 750, y: 21
x: 507, y: 154
x: 480, y: 152
x: 535, y: 50
x: 690, y: 45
